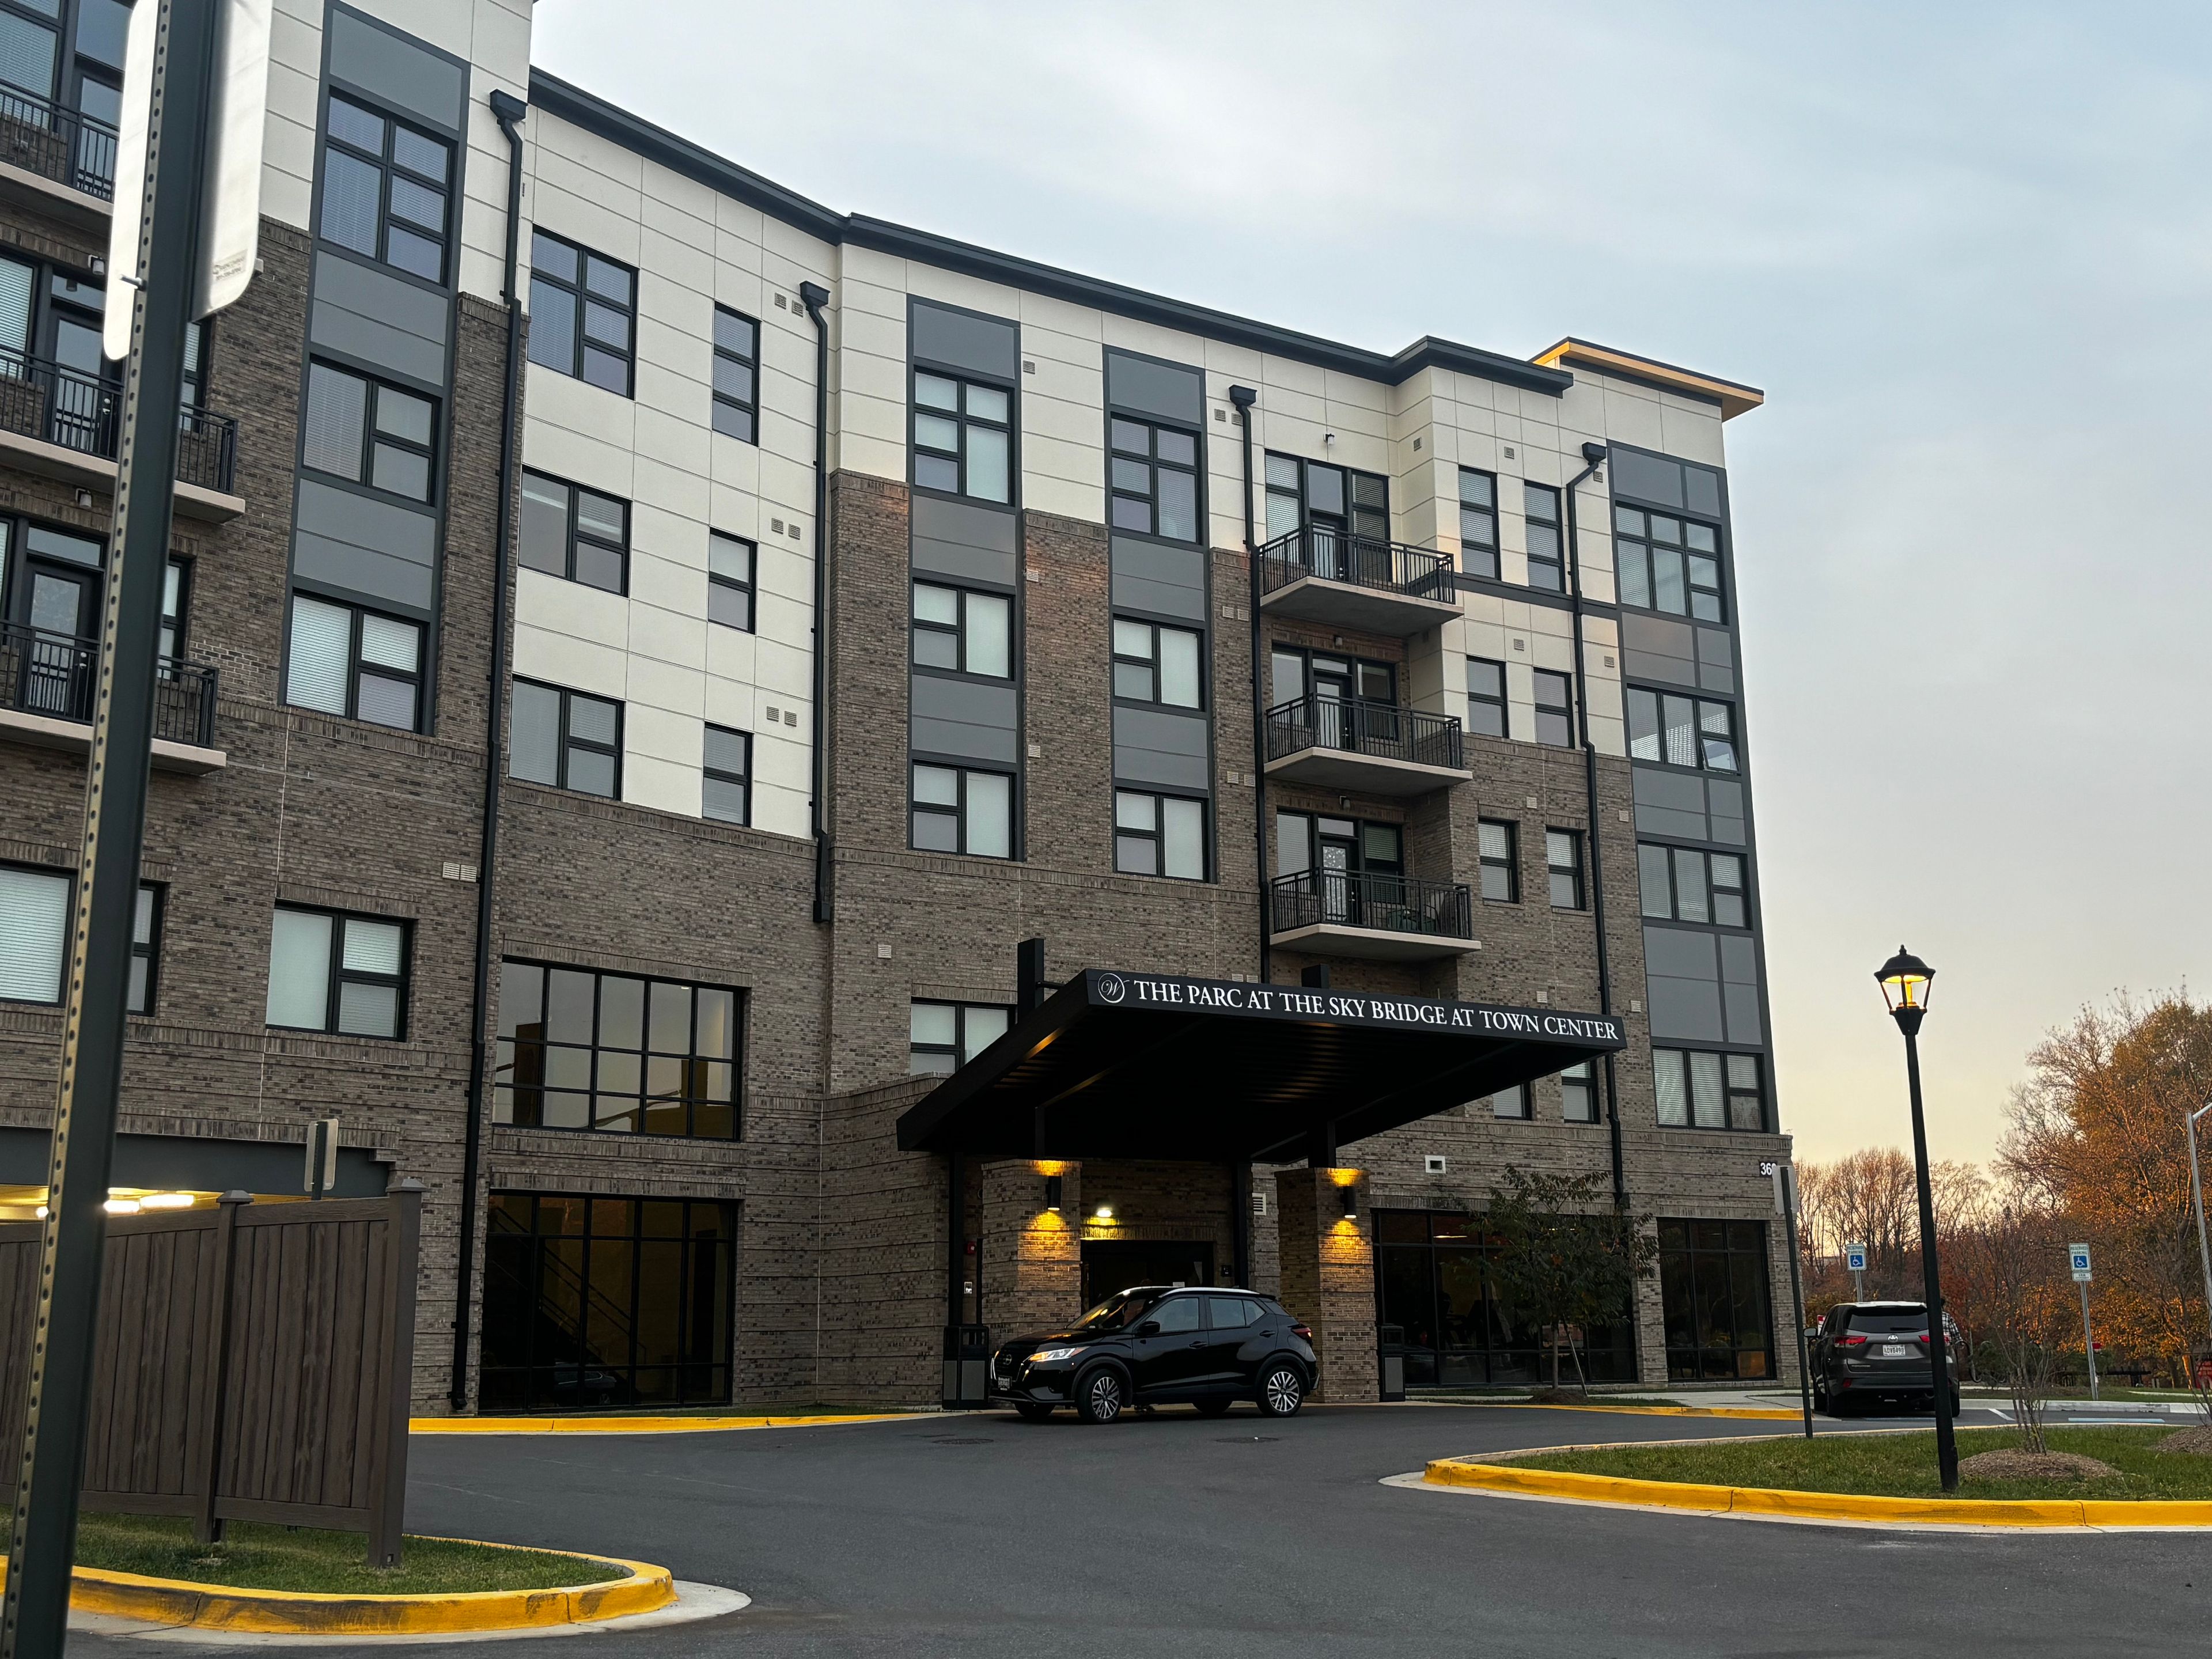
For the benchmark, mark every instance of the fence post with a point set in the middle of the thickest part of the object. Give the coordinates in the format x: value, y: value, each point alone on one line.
x: 208, y: 1431
x: 388, y: 1504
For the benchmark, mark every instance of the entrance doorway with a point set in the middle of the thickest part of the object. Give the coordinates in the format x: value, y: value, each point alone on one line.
x: 1115, y: 1264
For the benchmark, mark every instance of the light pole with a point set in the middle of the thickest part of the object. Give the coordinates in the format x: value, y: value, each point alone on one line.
x: 1905, y: 981
x: 2197, y: 1198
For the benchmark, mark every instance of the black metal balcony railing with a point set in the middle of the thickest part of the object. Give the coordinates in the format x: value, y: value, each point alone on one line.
x: 1391, y: 904
x: 56, y: 142
x: 58, y: 676
x: 1361, y: 727
x: 41, y: 398
x: 1338, y: 556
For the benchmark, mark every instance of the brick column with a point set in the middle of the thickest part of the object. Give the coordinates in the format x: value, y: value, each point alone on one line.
x: 1032, y: 1257
x: 1328, y: 1277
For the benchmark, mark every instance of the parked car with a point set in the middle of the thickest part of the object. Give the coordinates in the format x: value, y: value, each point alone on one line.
x: 1867, y: 1354
x: 1158, y: 1345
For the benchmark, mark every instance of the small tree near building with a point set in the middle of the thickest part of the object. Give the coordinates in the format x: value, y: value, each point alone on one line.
x: 1565, y: 1258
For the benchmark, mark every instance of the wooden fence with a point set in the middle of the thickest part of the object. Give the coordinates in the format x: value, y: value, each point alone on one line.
x: 254, y: 1364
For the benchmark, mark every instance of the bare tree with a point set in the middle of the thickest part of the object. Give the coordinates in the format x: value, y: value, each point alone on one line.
x: 2013, y: 1257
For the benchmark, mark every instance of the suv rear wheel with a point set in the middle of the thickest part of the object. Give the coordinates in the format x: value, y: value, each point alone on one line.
x: 1282, y: 1391
x: 1100, y: 1397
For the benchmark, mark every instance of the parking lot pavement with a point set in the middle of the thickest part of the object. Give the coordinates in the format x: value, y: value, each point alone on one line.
x: 981, y: 1535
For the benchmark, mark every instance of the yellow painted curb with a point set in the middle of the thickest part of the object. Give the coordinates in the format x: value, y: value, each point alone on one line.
x: 176, y: 1601
x: 1767, y: 1414
x: 1816, y: 1505
x: 634, y: 1425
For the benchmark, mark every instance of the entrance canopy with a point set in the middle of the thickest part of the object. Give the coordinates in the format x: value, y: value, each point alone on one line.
x: 1121, y: 1065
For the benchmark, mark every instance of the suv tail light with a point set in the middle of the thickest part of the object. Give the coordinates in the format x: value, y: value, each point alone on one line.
x: 1850, y: 1342
x: 1303, y: 1333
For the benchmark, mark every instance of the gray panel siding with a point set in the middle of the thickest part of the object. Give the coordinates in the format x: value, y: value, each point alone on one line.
x: 1669, y: 803
x: 984, y: 344
x: 410, y: 77
x: 958, y: 717
x: 382, y: 550
x: 1727, y: 809
x: 1655, y: 650
x: 1740, y: 988
x: 379, y: 318
x: 1682, y: 985
x: 1170, y: 580
x: 1149, y: 388
x: 1715, y: 659
x: 1153, y: 746
x: 951, y: 538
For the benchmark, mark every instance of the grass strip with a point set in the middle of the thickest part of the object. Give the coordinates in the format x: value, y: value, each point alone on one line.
x: 257, y: 1557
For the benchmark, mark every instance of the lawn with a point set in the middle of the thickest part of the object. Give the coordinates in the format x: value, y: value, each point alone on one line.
x: 255, y: 1557
x: 1898, y: 1465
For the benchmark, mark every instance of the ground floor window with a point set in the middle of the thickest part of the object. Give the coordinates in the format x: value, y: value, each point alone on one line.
x: 1713, y: 1291
x: 1438, y: 1306
x: 604, y: 1302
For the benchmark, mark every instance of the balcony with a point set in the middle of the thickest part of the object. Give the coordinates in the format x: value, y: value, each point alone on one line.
x: 48, y: 684
x: 1374, y: 748
x: 1379, y: 918
x: 57, y: 158
x: 63, y: 423
x: 1324, y: 575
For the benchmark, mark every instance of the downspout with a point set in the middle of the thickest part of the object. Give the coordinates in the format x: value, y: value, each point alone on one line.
x: 1594, y: 455
x: 1245, y: 397
x: 508, y: 111
x: 814, y: 296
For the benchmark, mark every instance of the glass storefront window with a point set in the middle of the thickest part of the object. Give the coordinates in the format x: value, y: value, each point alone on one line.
x: 1713, y: 1299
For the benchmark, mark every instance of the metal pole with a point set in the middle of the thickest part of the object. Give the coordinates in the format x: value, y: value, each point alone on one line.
x: 1947, y: 1443
x: 43, y: 1543
x: 1798, y: 1294
x: 2197, y: 1195
x: 2088, y: 1342
x: 1858, y: 1285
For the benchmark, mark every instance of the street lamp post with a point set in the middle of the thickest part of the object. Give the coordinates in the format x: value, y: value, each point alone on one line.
x: 2197, y: 1198
x: 1905, y: 981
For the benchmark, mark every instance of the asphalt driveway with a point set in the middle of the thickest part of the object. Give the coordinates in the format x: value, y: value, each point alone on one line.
x: 984, y: 1536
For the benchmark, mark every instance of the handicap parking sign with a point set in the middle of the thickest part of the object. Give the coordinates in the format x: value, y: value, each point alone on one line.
x: 2079, y: 1256
x: 1854, y: 1257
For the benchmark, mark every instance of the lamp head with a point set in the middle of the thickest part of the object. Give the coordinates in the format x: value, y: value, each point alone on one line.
x: 1906, y: 982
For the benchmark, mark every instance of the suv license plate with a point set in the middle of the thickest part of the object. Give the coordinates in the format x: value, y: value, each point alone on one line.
x: 1894, y: 1350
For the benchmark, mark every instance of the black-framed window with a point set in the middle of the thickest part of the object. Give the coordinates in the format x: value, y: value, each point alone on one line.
x: 1510, y: 1103
x: 1563, y: 861
x: 1700, y: 1090
x: 957, y: 809
x: 962, y: 631
x: 1485, y: 697
x: 1555, y: 708
x: 356, y: 663
x: 146, y: 918
x: 1159, y: 835
x: 1685, y: 883
x: 176, y: 607
x: 1682, y: 730
x: 331, y: 970
x: 737, y: 374
x: 34, y: 928
x: 943, y: 1037
x: 1668, y: 563
x: 624, y: 1054
x: 1540, y: 508
x: 1155, y: 663
x: 1299, y: 672
x: 572, y: 532
x: 582, y: 313
x: 727, y: 794
x: 962, y: 437
x: 565, y: 739
x: 1578, y: 1093
x: 1478, y: 523
x: 368, y: 433
x: 1310, y: 840
x: 1713, y: 1301
x: 1302, y: 493
x: 387, y: 188
x: 597, y: 1303
x: 1153, y: 483
x: 730, y: 572
x: 1498, y: 851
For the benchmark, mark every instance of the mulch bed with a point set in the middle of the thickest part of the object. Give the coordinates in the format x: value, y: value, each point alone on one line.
x: 2010, y: 1463
x: 2190, y: 1441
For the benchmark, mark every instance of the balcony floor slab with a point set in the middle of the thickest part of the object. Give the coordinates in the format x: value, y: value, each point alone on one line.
x: 1331, y: 939
x: 75, y: 736
x: 74, y: 467
x: 1319, y: 768
x: 1378, y: 611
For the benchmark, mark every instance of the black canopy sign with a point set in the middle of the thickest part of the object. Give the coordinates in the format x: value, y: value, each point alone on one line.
x: 1106, y: 989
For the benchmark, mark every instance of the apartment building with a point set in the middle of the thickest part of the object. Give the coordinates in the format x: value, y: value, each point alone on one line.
x: 832, y: 792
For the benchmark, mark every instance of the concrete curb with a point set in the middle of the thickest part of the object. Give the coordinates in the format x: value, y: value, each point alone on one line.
x: 637, y: 1425
x: 1772, y: 1414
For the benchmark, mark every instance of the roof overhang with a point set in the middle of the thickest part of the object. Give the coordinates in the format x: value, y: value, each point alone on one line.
x: 1734, y: 398
x: 1157, y: 1065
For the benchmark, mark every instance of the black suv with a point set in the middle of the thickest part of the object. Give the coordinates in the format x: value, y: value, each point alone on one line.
x: 1156, y: 1344
x: 1866, y: 1354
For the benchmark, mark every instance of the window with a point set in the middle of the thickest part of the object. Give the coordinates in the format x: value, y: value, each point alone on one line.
x: 1541, y: 506
x: 1563, y: 856
x: 579, y: 1050
x: 145, y: 946
x: 963, y: 437
x: 737, y: 369
x: 354, y: 663
x: 967, y: 633
x: 580, y: 312
x: 946, y: 1036
x: 571, y: 531
x: 1681, y: 883
x: 1578, y: 1094
x: 1667, y: 563
x: 176, y: 591
x: 1511, y: 1103
x: 333, y: 972
x: 1329, y: 498
x: 35, y: 923
x: 385, y: 190
x: 366, y: 432
x: 1478, y: 523
x: 1154, y: 487
x: 1700, y: 1091
x: 1157, y: 663
x: 726, y: 792
x: 730, y: 580
x: 565, y: 739
x: 1349, y: 845
x: 1713, y: 1300
x: 1499, y: 859
x: 1159, y: 835
x: 1555, y: 710
x: 958, y: 810
x: 1680, y: 730
x: 1485, y: 697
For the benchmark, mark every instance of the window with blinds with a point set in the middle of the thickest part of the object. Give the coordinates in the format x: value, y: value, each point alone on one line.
x: 34, y: 929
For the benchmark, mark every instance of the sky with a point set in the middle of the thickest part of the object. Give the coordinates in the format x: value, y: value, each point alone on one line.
x: 1964, y: 250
